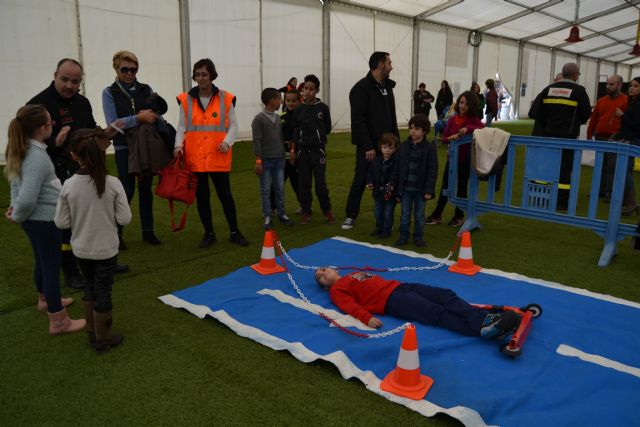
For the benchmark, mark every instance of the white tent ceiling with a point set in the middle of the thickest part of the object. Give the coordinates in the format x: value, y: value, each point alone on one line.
x: 608, y: 27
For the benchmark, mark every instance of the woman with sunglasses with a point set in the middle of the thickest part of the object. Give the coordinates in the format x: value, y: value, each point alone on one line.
x: 126, y: 99
x: 34, y: 194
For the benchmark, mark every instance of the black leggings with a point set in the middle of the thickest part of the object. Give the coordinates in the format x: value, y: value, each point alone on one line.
x: 222, y: 185
x: 463, y: 180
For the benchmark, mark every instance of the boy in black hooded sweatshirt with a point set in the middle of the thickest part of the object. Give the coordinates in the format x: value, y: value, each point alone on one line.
x: 312, y: 124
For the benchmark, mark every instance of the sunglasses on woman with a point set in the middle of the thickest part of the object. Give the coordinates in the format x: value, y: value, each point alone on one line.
x: 127, y: 70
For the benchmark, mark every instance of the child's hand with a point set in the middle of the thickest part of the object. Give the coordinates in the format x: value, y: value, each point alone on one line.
x: 428, y: 196
x: 462, y: 131
x: 258, y: 169
x: 374, y: 323
x: 178, y: 152
x: 62, y: 135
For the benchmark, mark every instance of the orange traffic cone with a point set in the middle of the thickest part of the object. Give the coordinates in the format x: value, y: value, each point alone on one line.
x: 405, y: 380
x: 465, y: 263
x: 267, y: 264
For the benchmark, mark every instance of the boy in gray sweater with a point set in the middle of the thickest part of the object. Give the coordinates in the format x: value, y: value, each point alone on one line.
x: 268, y: 147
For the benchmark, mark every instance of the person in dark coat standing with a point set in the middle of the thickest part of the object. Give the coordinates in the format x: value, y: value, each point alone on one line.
x: 444, y: 99
x: 422, y: 100
x: 558, y: 111
x: 373, y: 112
x: 69, y: 111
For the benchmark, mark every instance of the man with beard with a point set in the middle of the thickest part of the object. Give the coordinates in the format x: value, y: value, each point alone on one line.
x: 373, y: 112
x: 604, y: 123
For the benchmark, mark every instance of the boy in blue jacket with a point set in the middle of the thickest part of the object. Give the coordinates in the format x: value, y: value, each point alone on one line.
x: 416, y: 175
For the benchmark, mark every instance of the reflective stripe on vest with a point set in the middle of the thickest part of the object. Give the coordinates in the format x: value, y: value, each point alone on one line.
x: 190, y: 127
x: 568, y: 102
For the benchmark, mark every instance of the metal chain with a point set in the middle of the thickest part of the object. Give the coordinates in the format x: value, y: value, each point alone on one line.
x: 315, y: 267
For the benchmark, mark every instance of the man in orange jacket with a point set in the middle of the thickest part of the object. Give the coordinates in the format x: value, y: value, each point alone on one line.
x: 603, y: 124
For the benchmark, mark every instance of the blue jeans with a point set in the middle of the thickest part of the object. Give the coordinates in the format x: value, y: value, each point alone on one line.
x: 45, y: 241
x: 145, y: 196
x: 383, y: 212
x: 430, y: 305
x: 272, y: 173
x: 412, y: 201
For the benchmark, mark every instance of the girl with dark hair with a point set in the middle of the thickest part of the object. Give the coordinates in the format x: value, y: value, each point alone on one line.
x: 291, y: 85
x: 463, y: 123
x: 34, y: 194
x: 475, y: 88
x: 92, y: 204
x: 444, y: 98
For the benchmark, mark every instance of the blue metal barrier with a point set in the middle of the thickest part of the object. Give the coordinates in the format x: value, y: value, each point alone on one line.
x: 540, y: 180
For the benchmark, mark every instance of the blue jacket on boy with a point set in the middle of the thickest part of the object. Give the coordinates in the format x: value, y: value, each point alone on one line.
x: 427, y: 168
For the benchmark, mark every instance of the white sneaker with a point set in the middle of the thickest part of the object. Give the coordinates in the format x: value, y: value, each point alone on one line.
x: 348, y: 223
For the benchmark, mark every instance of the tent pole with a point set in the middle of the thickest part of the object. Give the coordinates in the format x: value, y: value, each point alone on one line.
x: 185, y: 43
x: 79, y: 35
x: 552, y: 70
x: 326, y: 52
x: 518, y: 91
x: 415, y: 58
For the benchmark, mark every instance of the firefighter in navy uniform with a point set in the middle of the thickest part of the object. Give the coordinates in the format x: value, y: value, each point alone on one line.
x: 558, y: 111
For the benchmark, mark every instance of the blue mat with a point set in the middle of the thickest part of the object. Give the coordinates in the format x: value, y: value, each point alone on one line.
x: 580, y: 364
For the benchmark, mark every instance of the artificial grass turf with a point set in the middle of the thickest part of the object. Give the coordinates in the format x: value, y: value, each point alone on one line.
x: 176, y: 369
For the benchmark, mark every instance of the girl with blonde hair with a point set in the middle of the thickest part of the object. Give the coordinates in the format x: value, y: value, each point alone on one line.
x: 34, y: 194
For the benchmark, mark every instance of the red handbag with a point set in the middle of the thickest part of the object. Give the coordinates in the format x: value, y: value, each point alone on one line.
x: 177, y: 183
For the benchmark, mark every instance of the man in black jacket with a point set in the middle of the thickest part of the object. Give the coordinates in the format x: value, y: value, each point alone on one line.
x: 558, y: 111
x: 373, y: 112
x: 70, y: 111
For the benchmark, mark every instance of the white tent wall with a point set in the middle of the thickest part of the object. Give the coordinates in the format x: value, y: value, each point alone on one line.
x: 258, y: 43
x: 536, y: 63
x: 291, y: 42
x: 623, y: 71
x: 588, y: 77
x: 564, y: 58
x: 458, y: 61
x: 488, y: 59
x: 606, y: 70
x: 148, y: 28
x: 508, y: 63
x: 395, y: 35
x: 31, y: 52
x: 228, y: 32
x: 352, y: 36
x: 431, y: 58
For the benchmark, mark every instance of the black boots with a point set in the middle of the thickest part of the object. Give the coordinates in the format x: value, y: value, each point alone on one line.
x: 150, y: 238
x: 72, y: 277
x: 105, y: 340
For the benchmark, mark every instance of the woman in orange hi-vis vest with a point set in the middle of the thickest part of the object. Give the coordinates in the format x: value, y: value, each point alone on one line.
x: 207, y: 129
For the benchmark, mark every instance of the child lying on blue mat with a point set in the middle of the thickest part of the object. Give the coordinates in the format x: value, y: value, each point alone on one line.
x: 360, y: 294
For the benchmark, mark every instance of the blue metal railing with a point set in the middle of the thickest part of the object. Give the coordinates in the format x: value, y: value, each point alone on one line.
x: 540, y: 181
